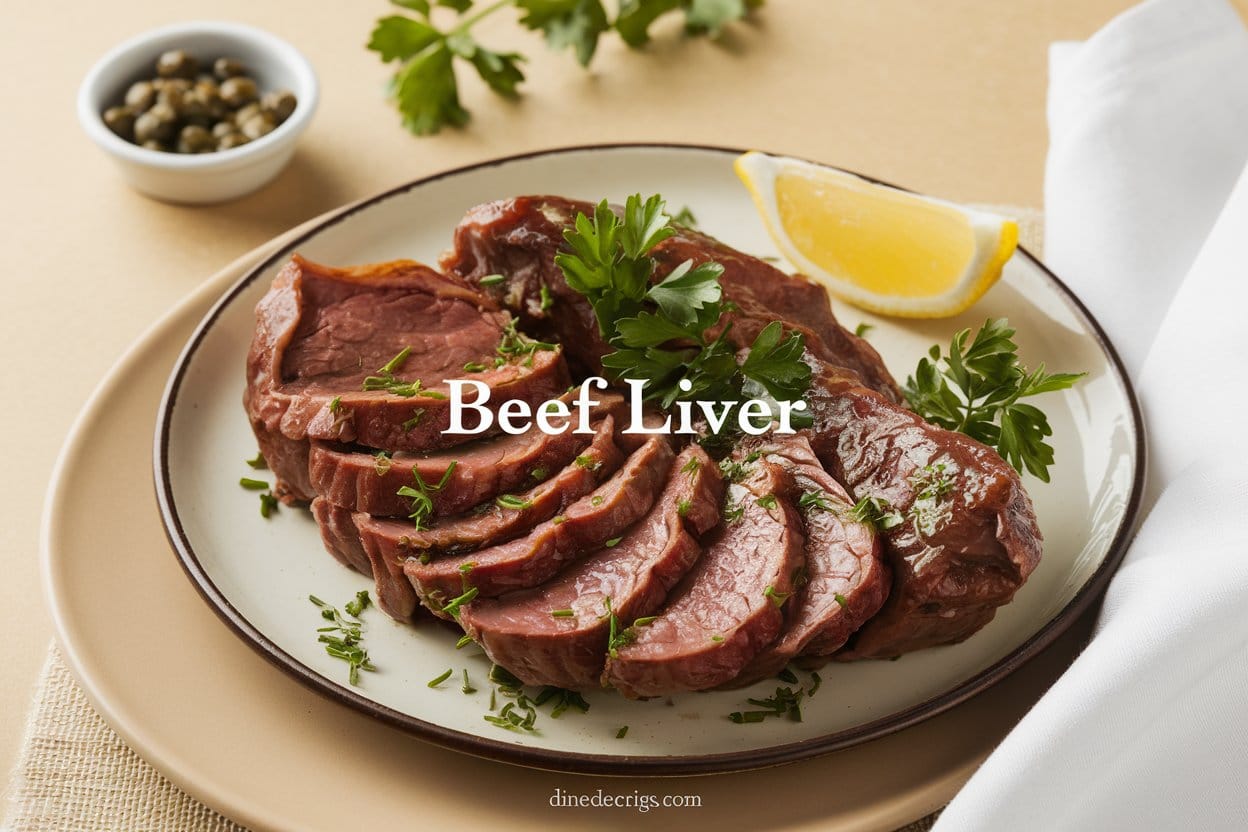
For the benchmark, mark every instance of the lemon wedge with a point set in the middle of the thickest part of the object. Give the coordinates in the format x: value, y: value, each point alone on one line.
x: 879, y: 248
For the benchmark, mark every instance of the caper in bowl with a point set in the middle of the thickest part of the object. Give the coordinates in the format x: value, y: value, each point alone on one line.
x: 187, y: 104
x: 221, y: 104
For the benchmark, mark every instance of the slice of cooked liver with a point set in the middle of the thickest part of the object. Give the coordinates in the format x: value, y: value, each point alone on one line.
x: 321, y: 331
x: 519, y: 632
x: 731, y: 605
x: 362, y: 481
x: 846, y: 579
x: 390, y: 543
x: 535, y: 558
x: 956, y: 556
x: 338, y: 533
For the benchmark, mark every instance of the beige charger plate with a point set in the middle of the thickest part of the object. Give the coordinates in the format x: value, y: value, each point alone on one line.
x: 216, y: 719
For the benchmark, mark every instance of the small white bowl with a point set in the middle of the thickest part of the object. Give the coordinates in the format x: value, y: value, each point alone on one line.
x: 204, y: 177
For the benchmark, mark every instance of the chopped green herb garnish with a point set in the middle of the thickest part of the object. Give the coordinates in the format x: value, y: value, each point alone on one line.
x: 546, y: 300
x: 814, y: 499
x: 417, y: 415
x: 589, y: 462
x: 453, y: 606
x: 787, y: 675
x: 433, y: 683
x: 467, y: 686
x: 733, y: 511
x: 976, y: 389
x: 767, y: 501
x: 358, y: 604
x: 491, y: 280
x: 539, y: 473
x: 717, y: 638
x: 343, y: 637
x: 692, y: 466
x: 613, y: 542
x: 840, y: 599
x: 511, y: 501
x: 815, y: 681
x: 876, y: 512
x: 514, y: 343
x: 682, y: 507
x: 863, y: 328
x: 597, y: 500
x: 620, y: 734
x: 253, y: 485
x: 335, y: 405
x: 268, y: 504
x: 422, y: 503
x: 777, y: 598
x: 568, y: 613
x: 258, y: 462
x: 382, y: 463
x: 463, y: 642
x: 474, y: 367
x: 559, y: 519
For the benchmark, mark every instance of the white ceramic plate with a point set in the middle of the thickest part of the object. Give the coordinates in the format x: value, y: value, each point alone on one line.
x: 257, y: 574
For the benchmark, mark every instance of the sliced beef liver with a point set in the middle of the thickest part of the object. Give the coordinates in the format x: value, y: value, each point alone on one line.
x: 518, y: 630
x: 535, y: 558
x: 321, y: 331
x: 846, y: 578
x: 520, y: 237
x: 969, y: 537
x: 731, y: 605
x: 362, y: 481
x: 389, y: 543
x: 338, y: 533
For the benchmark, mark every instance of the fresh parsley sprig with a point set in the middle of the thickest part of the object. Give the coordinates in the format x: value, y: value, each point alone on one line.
x: 660, y: 330
x: 976, y: 389
x: 425, y: 87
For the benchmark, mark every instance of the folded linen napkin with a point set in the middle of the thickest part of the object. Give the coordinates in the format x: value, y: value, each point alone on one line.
x: 1149, y: 727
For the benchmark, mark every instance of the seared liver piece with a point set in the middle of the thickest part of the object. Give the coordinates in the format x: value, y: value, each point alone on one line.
x: 535, y: 558
x: 969, y: 537
x: 340, y: 536
x: 731, y: 605
x: 389, y: 543
x: 519, y: 238
x: 568, y: 649
x: 321, y: 331
x: 846, y: 578
x: 362, y: 481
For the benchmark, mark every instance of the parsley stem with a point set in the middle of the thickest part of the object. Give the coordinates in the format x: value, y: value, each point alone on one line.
x: 469, y: 21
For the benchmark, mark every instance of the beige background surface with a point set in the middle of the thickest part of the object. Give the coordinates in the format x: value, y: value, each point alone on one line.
x: 944, y: 97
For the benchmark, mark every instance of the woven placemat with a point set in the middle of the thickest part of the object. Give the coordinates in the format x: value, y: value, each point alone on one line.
x: 74, y: 774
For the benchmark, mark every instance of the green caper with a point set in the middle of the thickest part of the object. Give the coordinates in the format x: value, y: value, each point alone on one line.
x: 225, y: 68
x: 121, y: 121
x: 172, y: 96
x: 195, y: 139
x: 231, y: 139
x: 176, y: 64
x: 261, y: 124
x: 141, y: 95
x: 244, y: 113
x: 154, y: 125
x: 281, y: 104
x: 238, y: 91
x: 196, y: 109
x: 152, y: 144
x: 222, y: 128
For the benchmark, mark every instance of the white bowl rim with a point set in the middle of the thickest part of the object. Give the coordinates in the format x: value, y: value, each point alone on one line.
x: 90, y: 108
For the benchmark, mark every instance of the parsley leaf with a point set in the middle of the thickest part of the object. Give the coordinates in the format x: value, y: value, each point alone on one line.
x: 567, y: 23
x: 975, y: 389
x: 660, y: 330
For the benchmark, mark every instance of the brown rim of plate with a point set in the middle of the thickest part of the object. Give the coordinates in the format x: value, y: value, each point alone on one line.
x: 611, y: 764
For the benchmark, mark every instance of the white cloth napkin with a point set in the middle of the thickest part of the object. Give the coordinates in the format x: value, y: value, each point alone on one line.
x: 1147, y: 219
